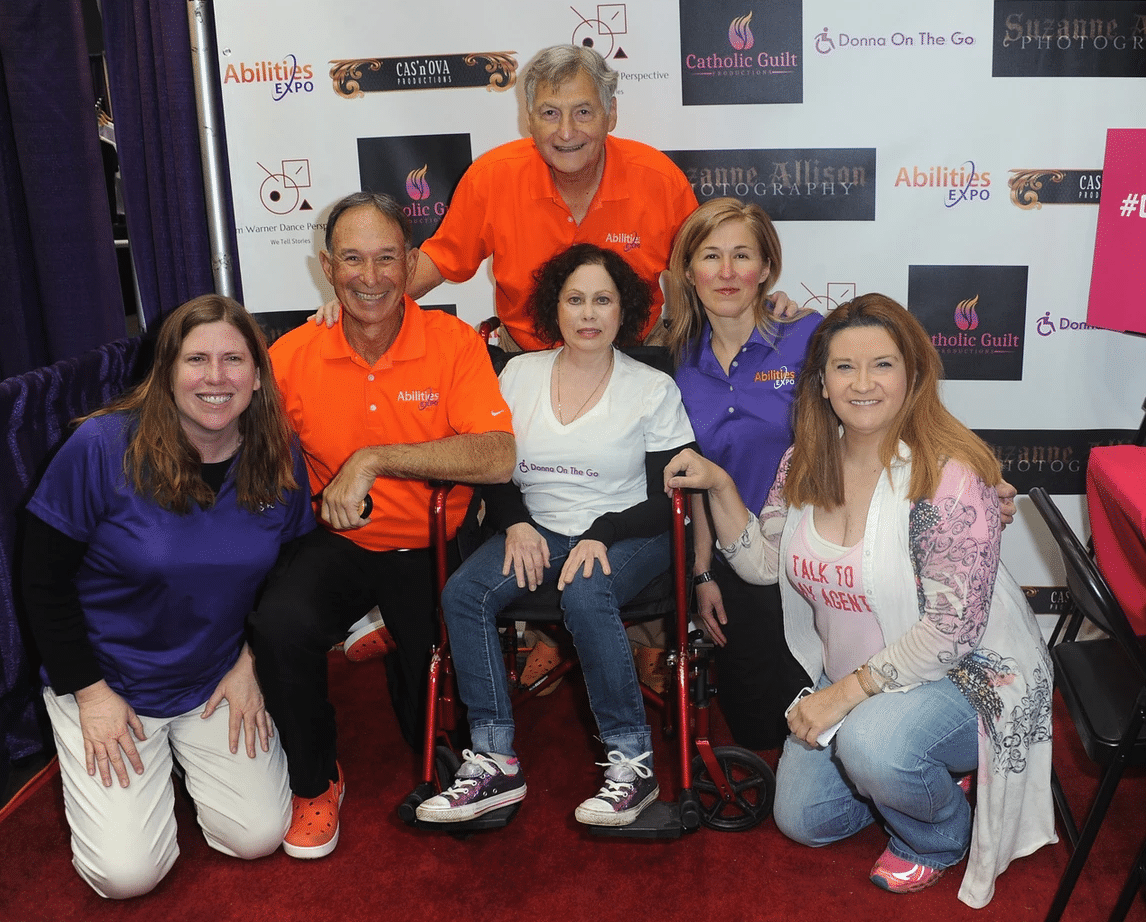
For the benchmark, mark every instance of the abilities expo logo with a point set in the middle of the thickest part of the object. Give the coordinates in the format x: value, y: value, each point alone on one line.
x: 419, y: 171
x: 1077, y: 38
x: 955, y: 185
x: 737, y: 51
x: 792, y: 184
x: 976, y: 316
x: 281, y: 79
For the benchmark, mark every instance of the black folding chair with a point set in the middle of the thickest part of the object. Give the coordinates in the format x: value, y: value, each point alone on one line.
x: 1103, y: 683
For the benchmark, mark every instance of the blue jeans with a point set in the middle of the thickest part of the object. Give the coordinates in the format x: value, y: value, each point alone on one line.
x: 892, y: 760
x: 477, y: 593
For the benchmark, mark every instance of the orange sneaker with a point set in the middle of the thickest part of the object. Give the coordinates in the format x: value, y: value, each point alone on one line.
x: 541, y: 661
x: 897, y: 875
x: 374, y: 639
x: 313, y: 829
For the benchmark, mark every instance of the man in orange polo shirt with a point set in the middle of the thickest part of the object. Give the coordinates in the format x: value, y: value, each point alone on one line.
x: 387, y: 398
x: 571, y: 182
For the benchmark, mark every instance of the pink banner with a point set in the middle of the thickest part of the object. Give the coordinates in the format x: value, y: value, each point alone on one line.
x: 1118, y: 279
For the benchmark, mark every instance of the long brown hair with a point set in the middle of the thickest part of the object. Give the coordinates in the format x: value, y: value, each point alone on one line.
x: 160, y: 460
x: 922, y: 423
x: 685, y: 309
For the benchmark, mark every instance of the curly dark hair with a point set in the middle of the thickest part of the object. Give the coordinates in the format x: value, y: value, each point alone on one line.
x: 551, y: 276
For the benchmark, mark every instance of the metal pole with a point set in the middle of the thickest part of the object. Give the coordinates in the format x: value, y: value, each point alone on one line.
x: 203, y: 63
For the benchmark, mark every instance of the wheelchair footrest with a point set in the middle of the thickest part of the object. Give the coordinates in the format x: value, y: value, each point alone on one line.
x: 659, y: 820
x: 495, y: 819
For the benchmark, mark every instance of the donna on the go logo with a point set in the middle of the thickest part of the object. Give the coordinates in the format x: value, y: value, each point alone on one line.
x: 284, y: 78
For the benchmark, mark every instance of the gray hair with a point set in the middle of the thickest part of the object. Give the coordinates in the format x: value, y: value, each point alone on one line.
x: 559, y: 64
x: 385, y: 204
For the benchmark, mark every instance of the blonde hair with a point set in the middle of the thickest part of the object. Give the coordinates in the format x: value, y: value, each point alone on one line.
x: 922, y: 423
x: 685, y: 310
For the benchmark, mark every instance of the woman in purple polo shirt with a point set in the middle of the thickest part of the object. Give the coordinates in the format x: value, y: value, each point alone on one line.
x: 147, y: 541
x: 736, y: 369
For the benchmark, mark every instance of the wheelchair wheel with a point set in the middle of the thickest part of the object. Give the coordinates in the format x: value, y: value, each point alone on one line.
x: 753, y: 784
x: 446, y: 764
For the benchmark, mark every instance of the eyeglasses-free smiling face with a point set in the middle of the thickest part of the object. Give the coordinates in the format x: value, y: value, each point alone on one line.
x: 865, y: 379
x: 569, y: 126
x: 212, y: 383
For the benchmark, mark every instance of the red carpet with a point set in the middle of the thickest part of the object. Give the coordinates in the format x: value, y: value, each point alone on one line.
x: 543, y: 866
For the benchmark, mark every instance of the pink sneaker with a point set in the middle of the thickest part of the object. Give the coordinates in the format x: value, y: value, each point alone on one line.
x: 964, y: 782
x: 899, y: 876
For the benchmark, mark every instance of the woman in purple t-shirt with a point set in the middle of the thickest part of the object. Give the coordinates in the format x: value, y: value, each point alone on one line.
x: 147, y: 540
x: 736, y: 370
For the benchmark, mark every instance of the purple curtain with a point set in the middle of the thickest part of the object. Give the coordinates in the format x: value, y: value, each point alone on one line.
x: 59, y: 285
x: 36, y: 409
x: 157, y: 132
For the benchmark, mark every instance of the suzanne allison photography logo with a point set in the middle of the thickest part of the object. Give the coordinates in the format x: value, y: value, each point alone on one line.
x: 976, y: 316
x: 1083, y: 38
x: 741, y: 52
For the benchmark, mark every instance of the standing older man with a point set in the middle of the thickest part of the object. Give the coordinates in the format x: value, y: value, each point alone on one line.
x: 385, y: 399
x: 570, y: 182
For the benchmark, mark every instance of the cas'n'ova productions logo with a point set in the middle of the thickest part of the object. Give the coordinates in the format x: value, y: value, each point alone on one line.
x: 791, y: 184
x: 419, y: 171
x: 493, y: 70
x: 1069, y: 38
x: 739, y: 51
x: 976, y: 317
x: 1031, y: 189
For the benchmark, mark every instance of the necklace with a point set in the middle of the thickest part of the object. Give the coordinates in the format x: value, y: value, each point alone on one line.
x: 560, y: 418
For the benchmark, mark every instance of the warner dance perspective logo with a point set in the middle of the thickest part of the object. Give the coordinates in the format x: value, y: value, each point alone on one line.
x: 281, y: 78
x: 794, y: 184
x: 1078, y: 38
x: 956, y: 185
x: 1031, y: 189
x: 420, y: 171
x: 733, y: 51
x: 494, y: 70
x: 1051, y: 458
x: 976, y: 316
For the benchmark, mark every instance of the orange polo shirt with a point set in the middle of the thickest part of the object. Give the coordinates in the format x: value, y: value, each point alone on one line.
x: 436, y: 380
x: 507, y: 206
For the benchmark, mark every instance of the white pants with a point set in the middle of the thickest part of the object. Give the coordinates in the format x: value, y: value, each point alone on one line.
x: 123, y: 839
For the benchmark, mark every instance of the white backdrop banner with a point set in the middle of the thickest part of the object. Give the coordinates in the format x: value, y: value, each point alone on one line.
x: 948, y: 155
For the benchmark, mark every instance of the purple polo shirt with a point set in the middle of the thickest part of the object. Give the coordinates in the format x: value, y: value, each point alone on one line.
x: 743, y: 419
x: 165, y: 596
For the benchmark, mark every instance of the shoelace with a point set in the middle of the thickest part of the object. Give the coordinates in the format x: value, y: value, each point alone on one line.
x: 474, y: 766
x: 615, y: 790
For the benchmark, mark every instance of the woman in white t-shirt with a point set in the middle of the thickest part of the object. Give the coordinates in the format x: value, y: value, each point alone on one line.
x: 585, y: 509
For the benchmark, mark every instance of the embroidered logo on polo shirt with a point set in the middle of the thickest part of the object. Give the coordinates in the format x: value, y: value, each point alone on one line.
x: 424, y: 399
x: 780, y: 377
x: 630, y: 241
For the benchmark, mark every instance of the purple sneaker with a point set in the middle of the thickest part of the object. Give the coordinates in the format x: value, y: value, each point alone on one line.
x: 629, y: 787
x: 484, y: 782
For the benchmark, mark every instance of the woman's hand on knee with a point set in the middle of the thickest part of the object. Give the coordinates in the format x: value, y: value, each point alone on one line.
x: 526, y: 555
x: 815, y: 713
x: 107, y: 723
x: 246, y: 711
x: 583, y: 557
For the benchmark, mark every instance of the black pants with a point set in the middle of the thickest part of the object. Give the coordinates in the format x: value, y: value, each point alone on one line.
x: 321, y: 584
x: 756, y: 675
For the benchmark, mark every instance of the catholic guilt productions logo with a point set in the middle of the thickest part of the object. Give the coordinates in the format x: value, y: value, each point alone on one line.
x: 734, y: 51
x: 805, y: 184
x: 494, y: 70
x: 962, y: 184
x: 1083, y: 38
x: 284, y: 78
x: 420, y: 171
x: 976, y: 316
x: 1031, y: 189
